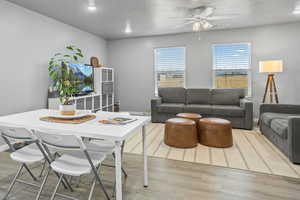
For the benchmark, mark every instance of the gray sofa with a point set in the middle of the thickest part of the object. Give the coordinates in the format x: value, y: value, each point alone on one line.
x: 223, y: 103
x: 280, y: 123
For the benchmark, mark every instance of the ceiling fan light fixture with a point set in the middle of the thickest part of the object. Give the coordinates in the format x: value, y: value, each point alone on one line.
x: 206, y: 25
x: 196, y: 26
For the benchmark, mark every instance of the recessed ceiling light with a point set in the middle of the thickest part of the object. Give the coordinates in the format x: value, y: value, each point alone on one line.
x: 128, y: 29
x: 92, y: 8
x: 92, y: 5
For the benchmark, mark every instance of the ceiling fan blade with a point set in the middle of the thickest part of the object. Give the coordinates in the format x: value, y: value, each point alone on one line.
x: 184, y: 24
x: 221, y: 17
x: 221, y: 26
x: 183, y: 18
x: 208, y: 11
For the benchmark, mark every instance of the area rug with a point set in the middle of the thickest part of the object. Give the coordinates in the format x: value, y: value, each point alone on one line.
x: 251, y: 151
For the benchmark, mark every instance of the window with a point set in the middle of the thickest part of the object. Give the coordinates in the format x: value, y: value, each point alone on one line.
x: 169, y: 67
x: 231, y: 66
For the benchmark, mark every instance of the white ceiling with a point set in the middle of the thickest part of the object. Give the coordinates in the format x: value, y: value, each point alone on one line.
x: 154, y: 17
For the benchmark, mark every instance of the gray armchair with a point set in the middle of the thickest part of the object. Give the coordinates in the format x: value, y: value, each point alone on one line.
x: 280, y: 123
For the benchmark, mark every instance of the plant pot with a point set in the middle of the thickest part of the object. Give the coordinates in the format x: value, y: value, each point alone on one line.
x: 67, y: 109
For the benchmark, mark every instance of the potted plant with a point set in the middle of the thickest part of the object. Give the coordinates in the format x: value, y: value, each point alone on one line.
x: 63, y: 78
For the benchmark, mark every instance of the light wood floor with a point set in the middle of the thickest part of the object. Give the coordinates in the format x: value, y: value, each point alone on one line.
x: 251, y: 151
x: 168, y: 180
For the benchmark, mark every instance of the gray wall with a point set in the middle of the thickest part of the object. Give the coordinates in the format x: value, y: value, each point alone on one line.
x: 134, y: 63
x: 27, y: 41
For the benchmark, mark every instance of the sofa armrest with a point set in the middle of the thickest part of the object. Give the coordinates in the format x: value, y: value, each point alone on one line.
x: 248, y: 107
x: 244, y: 103
x: 280, y: 108
x: 294, y: 138
x: 155, y: 102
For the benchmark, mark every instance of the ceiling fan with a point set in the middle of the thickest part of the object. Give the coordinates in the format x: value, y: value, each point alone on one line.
x: 201, y: 18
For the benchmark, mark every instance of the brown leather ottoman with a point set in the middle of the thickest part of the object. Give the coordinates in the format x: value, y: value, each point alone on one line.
x: 215, y: 132
x: 181, y: 133
x: 192, y: 116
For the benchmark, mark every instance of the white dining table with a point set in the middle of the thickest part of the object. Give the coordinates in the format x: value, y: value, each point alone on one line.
x: 91, y: 129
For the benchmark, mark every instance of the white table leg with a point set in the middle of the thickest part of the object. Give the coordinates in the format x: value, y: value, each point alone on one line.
x: 118, y: 164
x: 145, y: 157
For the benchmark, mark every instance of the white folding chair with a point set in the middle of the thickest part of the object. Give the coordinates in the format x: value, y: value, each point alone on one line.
x: 76, y: 162
x: 26, y: 155
x: 105, y: 146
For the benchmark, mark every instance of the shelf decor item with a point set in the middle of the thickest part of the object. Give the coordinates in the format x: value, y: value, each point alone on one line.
x: 271, y: 67
x: 64, y: 79
x: 94, y: 61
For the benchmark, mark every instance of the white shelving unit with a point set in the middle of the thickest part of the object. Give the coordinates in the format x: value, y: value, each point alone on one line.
x: 101, y: 100
x: 107, y: 89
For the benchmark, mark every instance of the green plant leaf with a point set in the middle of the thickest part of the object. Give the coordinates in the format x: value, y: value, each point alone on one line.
x: 60, y: 60
x: 50, y: 67
x: 79, y: 54
x: 70, y: 48
x: 67, y: 55
x: 75, y: 58
x: 51, y: 73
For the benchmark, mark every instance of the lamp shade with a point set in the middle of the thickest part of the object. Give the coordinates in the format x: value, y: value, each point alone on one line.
x: 271, y: 66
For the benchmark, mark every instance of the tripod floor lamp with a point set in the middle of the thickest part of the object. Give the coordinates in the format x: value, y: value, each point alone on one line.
x: 271, y: 67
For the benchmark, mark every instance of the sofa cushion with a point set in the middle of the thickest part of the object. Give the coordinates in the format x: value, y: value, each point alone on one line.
x: 280, y: 127
x: 173, y: 108
x: 227, y: 96
x: 268, y: 117
x: 232, y: 111
x: 172, y: 95
x: 198, y: 96
x: 198, y: 108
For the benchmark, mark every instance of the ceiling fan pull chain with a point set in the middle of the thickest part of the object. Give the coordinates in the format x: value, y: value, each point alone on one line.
x: 199, y: 35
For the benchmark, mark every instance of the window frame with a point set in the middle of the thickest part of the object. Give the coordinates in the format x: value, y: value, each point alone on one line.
x: 249, y: 70
x: 154, y: 66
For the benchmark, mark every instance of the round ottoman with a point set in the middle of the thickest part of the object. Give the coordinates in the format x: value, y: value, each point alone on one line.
x: 181, y: 133
x: 192, y: 116
x: 215, y: 132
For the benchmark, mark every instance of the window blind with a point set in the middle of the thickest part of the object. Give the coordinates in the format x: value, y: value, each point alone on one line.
x: 231, y: 56
x: 170, y: 59
x: 169, y: 67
